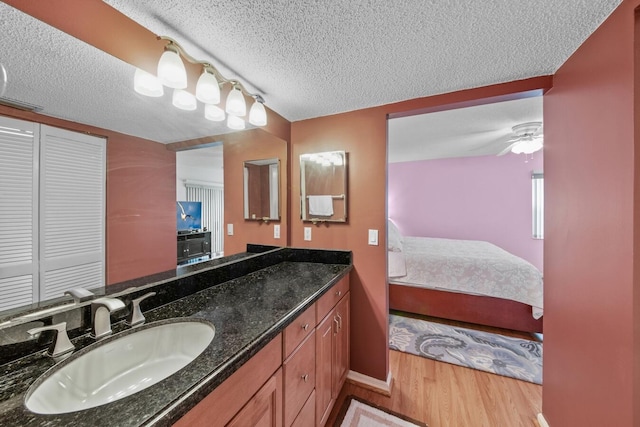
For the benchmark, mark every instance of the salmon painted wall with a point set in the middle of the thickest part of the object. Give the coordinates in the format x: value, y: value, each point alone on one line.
x: 140, y: 200
x: 237, y: 148
x: 590, y: 370
x: 363, y: 135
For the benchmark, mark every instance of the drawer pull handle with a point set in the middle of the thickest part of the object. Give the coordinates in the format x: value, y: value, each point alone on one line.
x: 305, y: 326
x: 305, y: 377
x: 338, y: 293
x: 339, y: 322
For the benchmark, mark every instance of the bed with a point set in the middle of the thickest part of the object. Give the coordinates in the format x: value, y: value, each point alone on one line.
x: 465, y: 280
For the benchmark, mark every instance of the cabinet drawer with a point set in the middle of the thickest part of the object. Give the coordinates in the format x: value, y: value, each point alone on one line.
x: 298, y: 330
x: 299, y: 378
x: 331, y: 298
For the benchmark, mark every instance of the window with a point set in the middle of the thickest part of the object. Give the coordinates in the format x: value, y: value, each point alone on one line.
x: 52, y: 212
x: 537, y: 180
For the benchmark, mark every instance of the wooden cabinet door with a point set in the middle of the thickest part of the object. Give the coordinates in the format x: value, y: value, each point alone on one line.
x: 307, y: 415
x: 265, y: 407
x: 324, y: 368
x: 341, y: 346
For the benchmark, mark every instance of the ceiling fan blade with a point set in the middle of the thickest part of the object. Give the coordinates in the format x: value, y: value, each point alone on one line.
x: 508, y: 148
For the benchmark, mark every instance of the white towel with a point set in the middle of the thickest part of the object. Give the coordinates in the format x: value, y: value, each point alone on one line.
x: 321, y: 205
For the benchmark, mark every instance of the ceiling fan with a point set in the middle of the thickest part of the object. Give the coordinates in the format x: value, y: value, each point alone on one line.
x: 528, y: 139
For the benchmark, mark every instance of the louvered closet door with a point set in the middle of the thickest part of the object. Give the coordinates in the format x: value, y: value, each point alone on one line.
x: 72, y: 211
x: 18, y: 212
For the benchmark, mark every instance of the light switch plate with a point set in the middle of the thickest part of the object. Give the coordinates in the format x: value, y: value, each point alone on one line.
x: 307, y: 233
x: 229, y: 229
x: 373, y: 237
x: 276, y: 231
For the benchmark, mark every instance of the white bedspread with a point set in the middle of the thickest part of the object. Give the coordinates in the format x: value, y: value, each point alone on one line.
x: 471, y: 267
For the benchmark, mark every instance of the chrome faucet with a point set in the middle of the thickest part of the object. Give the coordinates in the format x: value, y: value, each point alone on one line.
x: 60, y: 345
x: 101, y: 310
x: 136, y: 317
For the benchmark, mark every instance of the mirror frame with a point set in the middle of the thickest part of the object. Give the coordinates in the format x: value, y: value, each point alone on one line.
x: 329, y: 156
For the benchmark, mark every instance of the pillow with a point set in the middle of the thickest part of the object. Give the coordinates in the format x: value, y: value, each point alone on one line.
x: 394, y: 238
x: 397, y: 264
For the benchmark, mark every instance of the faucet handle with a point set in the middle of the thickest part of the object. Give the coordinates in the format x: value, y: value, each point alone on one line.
x: 136, y: 317
x: 79, y: 294
x: 60, y: 344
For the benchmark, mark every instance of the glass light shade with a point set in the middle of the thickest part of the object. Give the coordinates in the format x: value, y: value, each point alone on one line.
x: 235, y: 122
x: 213, y: 113
x: 207, y: 89
x: 184, y: 100
x: 171, y: 71
x: 235, y: 104
x: 527, y: 147
x: 147, y: 84
x: 257, y: 114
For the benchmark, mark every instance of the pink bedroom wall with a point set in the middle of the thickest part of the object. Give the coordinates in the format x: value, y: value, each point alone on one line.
x: 473, y: 198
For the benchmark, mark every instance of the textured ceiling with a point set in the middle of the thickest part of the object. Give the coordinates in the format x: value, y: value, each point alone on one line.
x: 466, y: 132
x: 308, y: 58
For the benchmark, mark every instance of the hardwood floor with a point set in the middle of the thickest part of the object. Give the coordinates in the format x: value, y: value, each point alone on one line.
x: 445, y: 395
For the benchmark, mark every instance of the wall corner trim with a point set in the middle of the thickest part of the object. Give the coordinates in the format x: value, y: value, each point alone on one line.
x: 370, y: 383
x: 542, y: 421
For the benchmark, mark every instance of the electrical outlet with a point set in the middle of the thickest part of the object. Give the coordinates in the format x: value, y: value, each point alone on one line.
x: 229, y: 229
x: 276, y: 231
x: 373, y: 237
x: 307, y: 233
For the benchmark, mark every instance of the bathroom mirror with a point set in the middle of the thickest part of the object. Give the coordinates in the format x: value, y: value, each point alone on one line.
x: 323, y: 187
x: 261, y: 190
x: 128, y: 181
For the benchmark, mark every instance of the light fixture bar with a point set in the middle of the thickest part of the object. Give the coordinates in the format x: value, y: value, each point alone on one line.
x: 219, y: 76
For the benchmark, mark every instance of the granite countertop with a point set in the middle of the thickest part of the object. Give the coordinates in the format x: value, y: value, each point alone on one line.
x: 247, y: 313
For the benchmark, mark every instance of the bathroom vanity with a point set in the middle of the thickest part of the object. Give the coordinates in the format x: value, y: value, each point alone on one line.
x: 280, y: 353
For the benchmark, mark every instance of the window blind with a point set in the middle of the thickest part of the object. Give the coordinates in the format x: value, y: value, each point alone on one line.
x: 537, y: 180
x: 212, y: 198
x: 52, y: 212
x: 18, y: 212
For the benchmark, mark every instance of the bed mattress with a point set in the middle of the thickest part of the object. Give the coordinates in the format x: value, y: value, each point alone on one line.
x: 467, y: 266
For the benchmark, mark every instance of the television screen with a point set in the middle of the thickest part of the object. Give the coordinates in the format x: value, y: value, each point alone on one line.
x: 189, y: 216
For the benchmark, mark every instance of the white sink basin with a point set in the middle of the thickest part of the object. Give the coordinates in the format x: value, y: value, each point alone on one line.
x: 120, y: 367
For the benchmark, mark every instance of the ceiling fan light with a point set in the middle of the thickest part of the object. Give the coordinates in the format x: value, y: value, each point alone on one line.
x: 147, y: 84
x: 527, y: 146
x: 235, y: 122
x: 258, y: 114
x: 207, y: 88
x: 235, y: 105
x: 184, y: 100
x: 213, y: 113
x: 171, y: 71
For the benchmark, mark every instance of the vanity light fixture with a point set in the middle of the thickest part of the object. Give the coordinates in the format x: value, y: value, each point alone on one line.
x: 147, y: 84
x: 184, y: 100
x: 207, y: 88
x: 235, y: 122
x: 213, y: 113
x: 172, y: 73
x: 235, y: 105
x: 257, y: 113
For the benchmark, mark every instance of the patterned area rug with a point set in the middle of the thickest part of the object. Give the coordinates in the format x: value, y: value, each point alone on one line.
x: 510, y: 357
x: 358, y: 413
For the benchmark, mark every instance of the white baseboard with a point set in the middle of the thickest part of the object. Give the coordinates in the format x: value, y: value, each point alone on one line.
x: 371, y: 383
x: 542, y: 421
